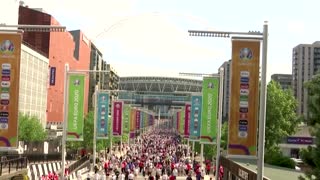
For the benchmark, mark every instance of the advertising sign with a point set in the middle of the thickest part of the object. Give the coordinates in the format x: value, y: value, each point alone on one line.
x: 300, y: 140
x: 244, y: 97
x: 10, y: 53
x: 142, y: 119
x: 126, y: 118
x: 209, y: 116
x: 182, y: 121
x: 102, y: 115
x: 187, y: 115
x: 117, y: 118
x: 137, y: 120
x: 76, y: 107
x: 195, y: 121
x: 178, y: 120
x: 132, y: 120
x: 52, y: 76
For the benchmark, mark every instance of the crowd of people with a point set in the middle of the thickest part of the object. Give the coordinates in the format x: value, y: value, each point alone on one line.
x: 154, y: 156
x: 50, y: 176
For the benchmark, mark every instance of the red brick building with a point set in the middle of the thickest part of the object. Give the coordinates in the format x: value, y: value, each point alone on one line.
x: 60, y: 48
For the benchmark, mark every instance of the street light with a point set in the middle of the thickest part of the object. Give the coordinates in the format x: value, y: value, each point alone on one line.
x: 262, y: 113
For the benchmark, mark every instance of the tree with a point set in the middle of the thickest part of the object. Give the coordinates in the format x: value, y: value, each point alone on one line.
x: 281, y: 119
x: 30, y: 129
x: 311, y: 156
x: 224, y: 135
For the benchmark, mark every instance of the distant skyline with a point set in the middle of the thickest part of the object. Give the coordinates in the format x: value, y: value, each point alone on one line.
x: 150, y: 38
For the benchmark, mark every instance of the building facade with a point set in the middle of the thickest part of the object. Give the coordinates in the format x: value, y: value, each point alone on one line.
x: 305, y: 64
x: 97, y: 63
x: 112, y: 83
x: 226, y: 89
x: 33, y: 84
x: 285, y: 80
x: 59, y: 48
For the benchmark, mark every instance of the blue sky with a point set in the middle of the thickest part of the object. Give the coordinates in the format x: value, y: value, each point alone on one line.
x: 149, y: 37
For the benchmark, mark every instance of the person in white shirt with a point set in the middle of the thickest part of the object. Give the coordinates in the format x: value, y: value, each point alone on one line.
x: 131, y: 176
x: 97, y: 176
x: 175, y: 172
x: 122, y: 176
x: 165, y: 176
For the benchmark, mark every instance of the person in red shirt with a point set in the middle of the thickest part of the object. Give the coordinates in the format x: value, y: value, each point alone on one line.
x: 208, y: 166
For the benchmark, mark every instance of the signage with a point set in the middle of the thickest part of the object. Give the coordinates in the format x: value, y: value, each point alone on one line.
x: 244, y: 100
x: 209, y: 116
x: 117, y: 118
x: 102, y: 115
x: 132, y: 120
x: 300, y: 140
x: 76, y: 107
x: 182, y: 121
x: 52, y: 76
x: 195, y: 121
x: 137, y: 120
x: 126, y: 119
x: 10, y: 53
x: 187, y: 117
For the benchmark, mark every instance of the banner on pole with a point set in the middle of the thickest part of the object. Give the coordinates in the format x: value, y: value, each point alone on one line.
x: 209, y: 116
x: 137, y: 120
x: 195, y: 122
x: 126, y: 118
x: 244, y: 97
x: 117, y: 118
x: 178, y: 121
x: 187, y: 120
x: 76, y: 107
x: 102, y: 115
x: 10, y: 54
x: 182, y: 121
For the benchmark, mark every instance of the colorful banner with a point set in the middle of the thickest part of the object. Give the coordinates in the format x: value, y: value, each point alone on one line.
x: 178, y: 120
x: 182, y: 121
x: 142, y: 114
x: 117, y: 118
x: 102, y: 115
x: 187, y: 115
x: 195, y: 122
x: 126, y: 118
x: 209, y: 120
x: 133, y: 120
x: 138, y: 120
x: 10, y: 53
x: 76, y: 107
x: 244, y: 100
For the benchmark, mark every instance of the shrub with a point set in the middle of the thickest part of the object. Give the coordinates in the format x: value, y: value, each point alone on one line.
x: 277, y: 159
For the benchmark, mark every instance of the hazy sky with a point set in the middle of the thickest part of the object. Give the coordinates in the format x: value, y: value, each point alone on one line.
x: 149, y: 37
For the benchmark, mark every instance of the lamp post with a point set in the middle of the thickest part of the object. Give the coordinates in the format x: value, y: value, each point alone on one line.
x: 65, y: 121
x: 262, y: 113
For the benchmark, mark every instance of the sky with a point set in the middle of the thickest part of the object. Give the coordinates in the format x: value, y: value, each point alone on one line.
x: 150, y: 37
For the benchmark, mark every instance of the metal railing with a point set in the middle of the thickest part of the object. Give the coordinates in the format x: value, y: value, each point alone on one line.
x: 75, y: 166
x: 13, y: 165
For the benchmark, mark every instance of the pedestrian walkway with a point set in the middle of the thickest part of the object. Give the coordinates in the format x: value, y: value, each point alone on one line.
x: 153, y: 153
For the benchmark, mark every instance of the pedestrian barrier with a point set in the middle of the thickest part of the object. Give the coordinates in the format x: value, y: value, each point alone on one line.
x: 12, y: 165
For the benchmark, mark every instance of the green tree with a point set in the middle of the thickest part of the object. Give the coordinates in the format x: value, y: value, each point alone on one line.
x: 30, y: 129
x: 224, y: 135
x: 311, y: 155
x: 281, y: 118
